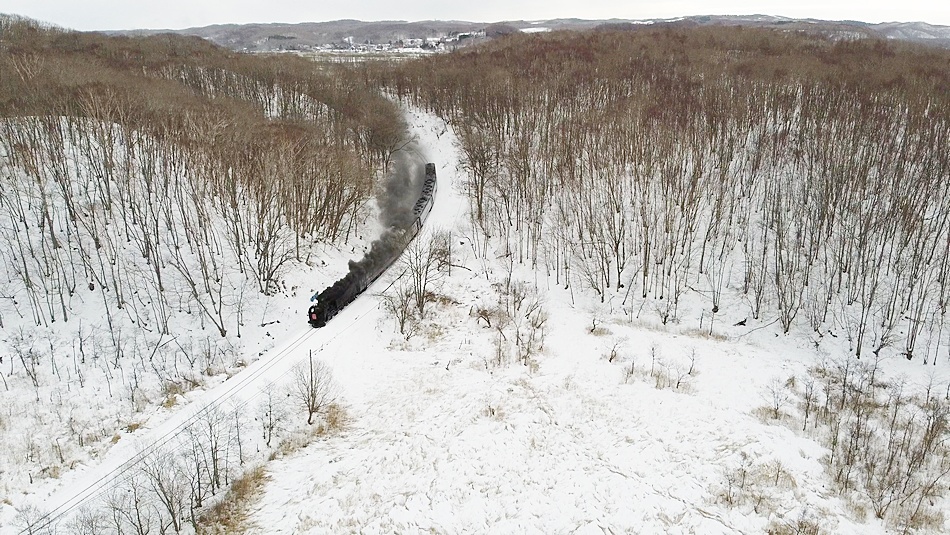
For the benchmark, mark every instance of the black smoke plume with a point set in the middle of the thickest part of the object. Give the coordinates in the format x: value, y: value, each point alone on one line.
x: 401, y: 190
x: 399, y: 193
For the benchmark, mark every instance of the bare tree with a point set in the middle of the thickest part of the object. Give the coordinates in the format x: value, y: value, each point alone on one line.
x: 30, y: 520
x: 130, y: 506
x: 481, y: 159
x: 398, y: 301
x: 88, y: 521
x: 207, y: 457
x: 777, y: 396
x: 167, y: 480
x: 313, y: 387
x: 272, y: 413
x: 422, y: 262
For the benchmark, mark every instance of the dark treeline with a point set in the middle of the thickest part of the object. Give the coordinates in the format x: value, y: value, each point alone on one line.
x: 810, y: 175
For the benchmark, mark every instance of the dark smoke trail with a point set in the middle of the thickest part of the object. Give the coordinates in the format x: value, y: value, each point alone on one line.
x: 401, y: 189
x: 400, y: 192
x: 404, y: 202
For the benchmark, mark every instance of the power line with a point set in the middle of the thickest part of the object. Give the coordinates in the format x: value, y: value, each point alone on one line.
x: 93, y: 490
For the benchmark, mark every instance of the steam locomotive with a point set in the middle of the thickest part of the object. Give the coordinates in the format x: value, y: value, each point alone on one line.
x: 383, y: 254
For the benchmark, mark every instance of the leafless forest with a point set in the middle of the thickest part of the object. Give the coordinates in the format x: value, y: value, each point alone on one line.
x: 153, y: 183
x: 160, y: 180
x: 800, y: 181
x: 813, y: 176
x: 119, y: 143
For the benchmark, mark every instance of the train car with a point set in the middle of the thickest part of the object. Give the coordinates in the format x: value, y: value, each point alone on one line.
x: 330, y: 301
x: 423, y: 206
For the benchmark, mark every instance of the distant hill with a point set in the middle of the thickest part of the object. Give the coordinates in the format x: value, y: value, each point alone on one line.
x: 345, y: 33
x: 277, y: 36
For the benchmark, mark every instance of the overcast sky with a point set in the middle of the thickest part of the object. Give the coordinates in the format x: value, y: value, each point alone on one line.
x: 177, y: 14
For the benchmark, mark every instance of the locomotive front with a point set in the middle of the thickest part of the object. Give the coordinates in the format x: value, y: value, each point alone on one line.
x: 317, y: 315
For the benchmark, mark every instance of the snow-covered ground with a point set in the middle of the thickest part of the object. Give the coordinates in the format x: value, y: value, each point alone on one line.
x: 444, y: 436
x: 442, y: 440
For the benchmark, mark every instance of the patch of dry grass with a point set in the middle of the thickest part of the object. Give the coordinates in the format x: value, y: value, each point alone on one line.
x: 334, y: 420
x: 230, y: 515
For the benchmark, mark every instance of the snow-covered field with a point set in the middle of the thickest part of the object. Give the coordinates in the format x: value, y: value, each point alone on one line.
x: 442, y: 440
x: 615, y: 424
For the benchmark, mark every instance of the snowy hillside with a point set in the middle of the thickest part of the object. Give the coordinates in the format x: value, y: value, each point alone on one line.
x: 604, y: 422
x: 445, y: 436
x: 154, y: 192
x: 668, y: 293
x: 522, y: 401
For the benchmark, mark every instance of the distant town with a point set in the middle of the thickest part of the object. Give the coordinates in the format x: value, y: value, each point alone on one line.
x: 412, y: 44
